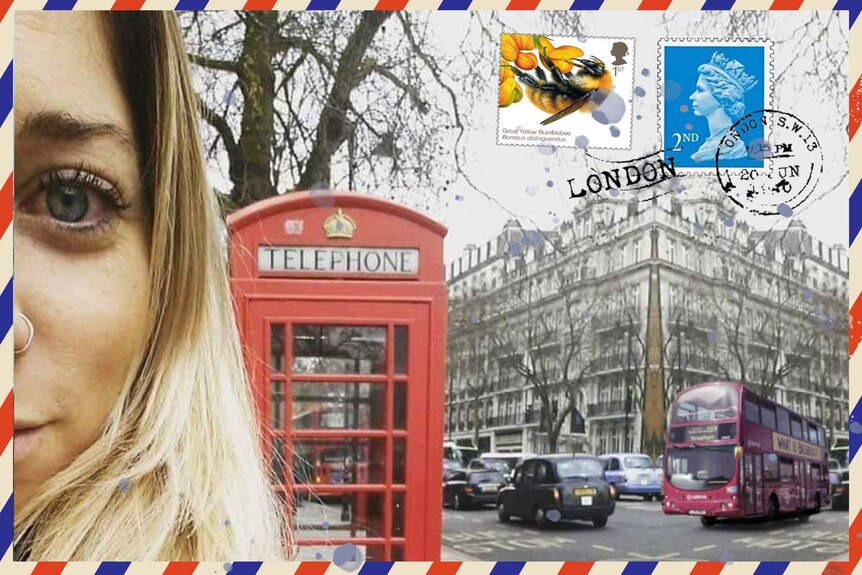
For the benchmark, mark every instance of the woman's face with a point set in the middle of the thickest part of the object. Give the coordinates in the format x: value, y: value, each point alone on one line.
x: 702, y: 102
x: 81, y: 241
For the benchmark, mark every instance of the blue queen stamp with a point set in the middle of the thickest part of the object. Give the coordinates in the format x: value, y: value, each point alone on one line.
x: 705, y: 87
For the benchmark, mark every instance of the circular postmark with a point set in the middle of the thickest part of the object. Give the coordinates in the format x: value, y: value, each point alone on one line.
x: 792, y: 164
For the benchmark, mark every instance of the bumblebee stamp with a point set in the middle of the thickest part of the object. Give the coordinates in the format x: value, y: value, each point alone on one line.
x: 705, y: 87
x: 565, y: 91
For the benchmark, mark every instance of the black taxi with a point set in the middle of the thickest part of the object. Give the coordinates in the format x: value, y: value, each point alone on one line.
x: 550, y: 488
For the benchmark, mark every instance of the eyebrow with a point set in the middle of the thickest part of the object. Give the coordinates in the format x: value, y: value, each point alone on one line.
x: 65, y: 126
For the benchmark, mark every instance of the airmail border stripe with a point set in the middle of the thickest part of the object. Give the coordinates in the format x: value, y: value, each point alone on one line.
x: 7, y: 9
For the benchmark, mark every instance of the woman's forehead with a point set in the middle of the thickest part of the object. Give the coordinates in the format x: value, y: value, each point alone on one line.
x: 63, y: 63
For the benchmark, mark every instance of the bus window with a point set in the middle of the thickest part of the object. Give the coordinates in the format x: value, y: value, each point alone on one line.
x: 752, y: 412
x: 812, y: 433
x: 770, y: 467
x: 822, y: 434
x: 706, y: 403
x: 796, y: 427
x: 785, y: 469
x: 783, y: 420
x: 767, y: 416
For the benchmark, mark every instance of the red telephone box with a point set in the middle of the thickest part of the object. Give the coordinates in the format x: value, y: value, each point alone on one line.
x: 341, y: 302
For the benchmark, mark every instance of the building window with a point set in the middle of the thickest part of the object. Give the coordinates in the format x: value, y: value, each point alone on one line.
x: 671, y: 248
x: 637, y: 251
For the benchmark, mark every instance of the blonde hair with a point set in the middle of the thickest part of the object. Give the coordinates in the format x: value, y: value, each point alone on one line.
x: 176, y: 473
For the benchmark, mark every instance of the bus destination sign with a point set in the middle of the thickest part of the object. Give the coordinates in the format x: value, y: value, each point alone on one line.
x: 712, y: 432
x: 791, y: 446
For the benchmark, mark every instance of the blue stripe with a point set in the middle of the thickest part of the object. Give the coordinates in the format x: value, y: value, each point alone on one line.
x: 59, y: 4
x: 376, y: 568
x: 6, y: 520
x: 855, y: 212
x: 853, y: 5
x: 245, y: 567
x: 771, y: 568
x: 586, y: 4
x: 6, y: 93
x: 718, y: 4
x: 507, y: 568
x: 639, y: 568
x: 454, y: 4
x: 323, y: 4
x: 855, y: 438
x: 191, y: 4
x: 112, y: 568
x: 6, y: 313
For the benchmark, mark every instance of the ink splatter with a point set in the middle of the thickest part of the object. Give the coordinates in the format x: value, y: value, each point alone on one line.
x: 759, y: 149
x: 553, y: 515
x: 550, y: 183
x: 600, y: 117
x: 645, y: 72
x: 547, y: 149
x: 856, y: 427
x: 227, y: 522
x: 459, y: 197
x: 729, y: 222
x: 582, y: 141
x: 697, y: 227
x: 683, y: 108
x: 228, y: 567
x: 515, y: 248
x: 640, y: 92
x: 125, y: 486
x: 608, y: 108
x: 615, y: 132
x: 347, y: 556
x: 807, y: 294
x: 712, y: 336
x: 614, y: 192
x: 325, y: 524
x: 586, y: 315
x: 638, y: 117
x: 532, y: 190
x: 547, y: 169
x: 318, y: 556
x: 321, y: 195
x: 688, y: 126
x: 726, y: 557
x: 672, y: 90
x: 785, y: 210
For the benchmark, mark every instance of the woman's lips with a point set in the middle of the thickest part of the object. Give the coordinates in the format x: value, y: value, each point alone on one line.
x: 25, y: 441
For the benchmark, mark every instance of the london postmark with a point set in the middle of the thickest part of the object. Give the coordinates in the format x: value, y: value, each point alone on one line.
x: 793, y: 161
x: 706, y: 86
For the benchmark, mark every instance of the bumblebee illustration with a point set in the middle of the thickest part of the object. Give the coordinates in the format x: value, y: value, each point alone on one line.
x: 564, y: 94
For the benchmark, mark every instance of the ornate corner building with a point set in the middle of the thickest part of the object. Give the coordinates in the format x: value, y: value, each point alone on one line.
x: 578, y: 338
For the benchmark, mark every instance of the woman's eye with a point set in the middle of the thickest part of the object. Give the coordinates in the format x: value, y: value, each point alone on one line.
x: 68, y: 204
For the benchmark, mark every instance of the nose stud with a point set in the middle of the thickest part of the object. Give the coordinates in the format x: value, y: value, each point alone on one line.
x: 31, y: 333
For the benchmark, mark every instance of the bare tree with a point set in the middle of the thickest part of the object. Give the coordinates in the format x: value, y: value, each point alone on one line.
x: 297, y: 100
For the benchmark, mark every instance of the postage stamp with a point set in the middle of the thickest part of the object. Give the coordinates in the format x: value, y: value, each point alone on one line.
x: 565, y: 91
x: 705, y: 87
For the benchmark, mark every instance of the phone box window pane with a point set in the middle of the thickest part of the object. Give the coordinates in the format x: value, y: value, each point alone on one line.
x: 339, y: 516
x: 399, y: 412
x: 276, y: 404
x: 401, y: 349
x: 277, y: 460
x: 339, y: 461
x: 276, y: 347
x: 398, y: 514
x: 339, y: 349
x: 399, y: 456
x: 338, y: 406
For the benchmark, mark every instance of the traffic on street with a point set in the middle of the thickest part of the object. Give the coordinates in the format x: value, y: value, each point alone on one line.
x: 639, y: 531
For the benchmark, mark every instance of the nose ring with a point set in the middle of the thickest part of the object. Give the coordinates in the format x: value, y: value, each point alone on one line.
x: 31, y: 333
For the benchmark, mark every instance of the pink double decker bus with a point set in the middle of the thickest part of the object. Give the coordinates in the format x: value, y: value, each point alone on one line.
x: 731, y: 453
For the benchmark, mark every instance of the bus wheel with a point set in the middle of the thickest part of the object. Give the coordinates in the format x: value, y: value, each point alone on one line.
x: 772, y: 508
x: 707, y: 521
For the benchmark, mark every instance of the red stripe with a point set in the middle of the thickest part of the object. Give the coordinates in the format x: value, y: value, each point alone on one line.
x: 786, y: 4
x: 391, y: 5
x: 312, y: 568
x: 855, y: 542
x: 181, y: 568
x: 127, y: 5
x: 654, y: 5
x: 575, y: 568
x: 259, y: 5
x: 48, y: 568
x: 855, y: 324
x: 707, y: 568
x: 6, y: 205
x: 4, y: 7
x: 444, y: 568
x: 522, y: 4
x: 836, y: 568
x: 7, y: 419
x: 855, y: 107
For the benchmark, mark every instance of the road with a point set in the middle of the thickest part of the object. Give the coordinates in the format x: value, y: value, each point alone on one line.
x: 639, y: 531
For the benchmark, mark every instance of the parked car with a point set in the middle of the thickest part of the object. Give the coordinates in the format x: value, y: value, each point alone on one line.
x: 633, y: 474
x: 490, y: 465
x: 659, y: 467
x: 834, y: 472
x: 466, y: 488
x: 841, y: 492
x: 548, y: 488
